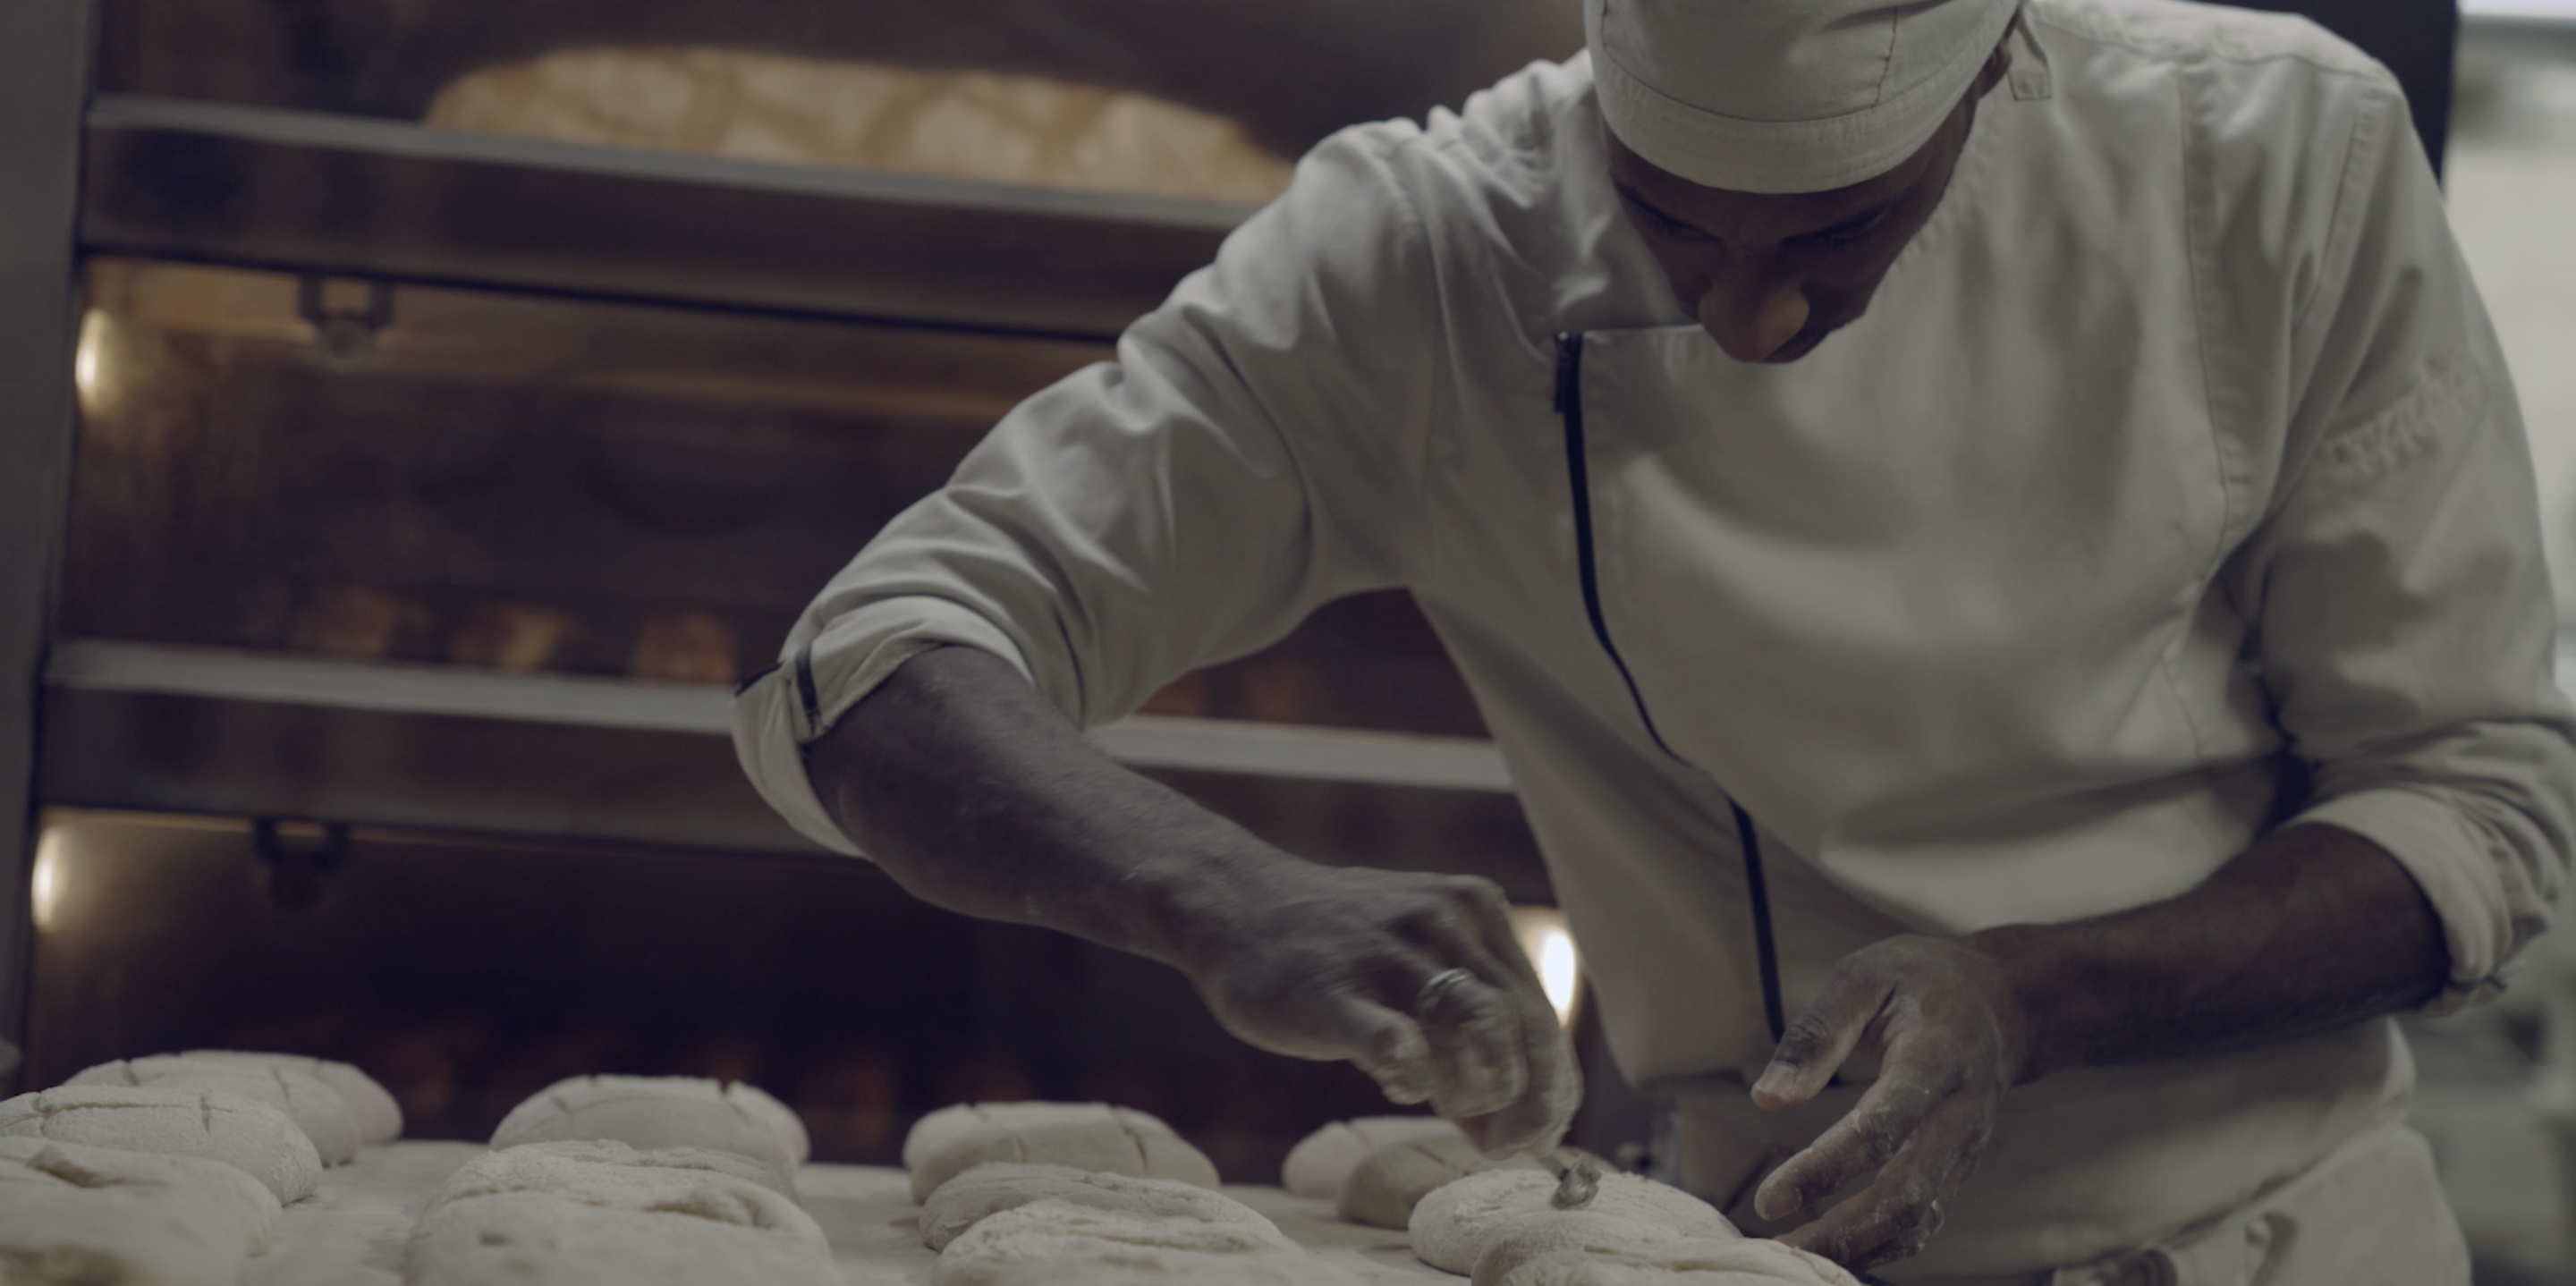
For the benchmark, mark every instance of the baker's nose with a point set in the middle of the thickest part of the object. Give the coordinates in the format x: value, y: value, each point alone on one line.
x: 1751, y: 315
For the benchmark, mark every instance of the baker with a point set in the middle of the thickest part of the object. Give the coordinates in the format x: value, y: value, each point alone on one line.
x: 1993, y: 536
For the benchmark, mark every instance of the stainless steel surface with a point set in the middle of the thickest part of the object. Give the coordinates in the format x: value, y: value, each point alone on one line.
x: 44, y: 61
x: 313, y: 192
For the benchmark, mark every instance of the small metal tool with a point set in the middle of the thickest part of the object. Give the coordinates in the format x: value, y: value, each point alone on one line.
x: 1577, y: 1181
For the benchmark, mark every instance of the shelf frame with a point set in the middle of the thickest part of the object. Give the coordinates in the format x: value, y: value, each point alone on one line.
x: 44, y: 68
x: 388, y: 200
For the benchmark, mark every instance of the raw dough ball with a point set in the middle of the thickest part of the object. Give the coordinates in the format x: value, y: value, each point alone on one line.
x: 585, y: 1212
x: 541, y: 1239
x: 1323, y: 1160
x: 994, y: 1187
x: 1084, y: 1136
x: 1384, y: 1186
x: 1690, y: 1261
x: 1178, y: 1267
x: 1063, y: 1236
x: 660, y: 1112
x: 1455, y: 1227
x: 379, y: 1116
x: 605, y: 1168
x: 243, y: 1133
x: 71, y: 1213
x: 948, y: 1125
x: 316, y: 1108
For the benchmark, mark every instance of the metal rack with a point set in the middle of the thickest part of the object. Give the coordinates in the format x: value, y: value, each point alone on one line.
x: 160, y: 726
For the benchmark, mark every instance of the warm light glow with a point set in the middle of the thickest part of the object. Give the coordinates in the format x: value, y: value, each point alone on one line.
x: 1551, y: 950
x: 91, y: 371
x: 45, y: 889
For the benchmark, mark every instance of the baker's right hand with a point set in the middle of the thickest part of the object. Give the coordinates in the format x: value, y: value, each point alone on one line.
x: 1417, y: 978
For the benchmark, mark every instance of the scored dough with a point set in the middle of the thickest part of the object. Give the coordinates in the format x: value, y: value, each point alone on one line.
x: 1457, y: 1226
x: 606, y: 1167
x: 74, y: 1213
x: 996, y: 1186
x: 1084, y: 1136
x: 660, y: 1112
x: 1384, y: 1186
x: 1691, y: 1261
x: 380, y: 1118
x: 598, y: 1212
x: 1053, y: 1239
x: 315, y: 1108
x: 243, y: 1133
x: 542, y: 1239
x: 957, y: 1121
x: 1322, y: 1161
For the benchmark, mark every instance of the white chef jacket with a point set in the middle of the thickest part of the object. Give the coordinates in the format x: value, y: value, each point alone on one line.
x: 2172, y: 485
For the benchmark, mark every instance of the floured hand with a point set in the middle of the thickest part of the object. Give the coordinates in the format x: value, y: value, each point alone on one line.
x: 1417, y: 978
x: 1950, y: 1037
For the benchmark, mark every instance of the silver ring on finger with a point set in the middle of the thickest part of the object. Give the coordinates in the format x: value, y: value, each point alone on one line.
x: 1436, y: 989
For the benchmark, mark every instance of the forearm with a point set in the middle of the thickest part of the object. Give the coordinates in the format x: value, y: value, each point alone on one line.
x: 971, y: 790
x: 963, y: 783
x: 2311, y: 928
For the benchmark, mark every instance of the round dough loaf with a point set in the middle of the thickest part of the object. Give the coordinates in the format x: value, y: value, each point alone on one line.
x: 1455, y: 1227
x: 246, y: 1134
x: 315, y: 1108
x: 1689, y: 1261
x: 1322, y: 1161
x: 612, y: 1172
x: 945, y: 1127
x: 1091, y: 1137
x: 994, y: 1187
x: 1062, y: 1235
x: 558, y: 1240
x: 1179, y: 1268
x: 660, y: 1112
x: 379, y: 1117
x: 101, y: 1214
x: 1383, y: 1187
x: 228, y: 1203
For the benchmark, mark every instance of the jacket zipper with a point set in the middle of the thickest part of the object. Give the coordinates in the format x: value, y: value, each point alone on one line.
x: 1569, y: 410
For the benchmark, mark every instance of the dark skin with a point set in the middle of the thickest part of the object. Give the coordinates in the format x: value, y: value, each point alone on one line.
x: 976, y: 795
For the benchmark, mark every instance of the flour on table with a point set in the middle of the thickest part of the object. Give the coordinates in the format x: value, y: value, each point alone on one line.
x: 379, y: 1117
x: 660, y: 1112
x: 1384, y: 1186
x: 1084, y: 1136
x: 316, y: 1108
x: 246, y: 1134
x: 74, y: 1213
x: 1322, y: 1161
x: 601, y: 1213
x: 994, y: 1187
x: 1054, y: 1239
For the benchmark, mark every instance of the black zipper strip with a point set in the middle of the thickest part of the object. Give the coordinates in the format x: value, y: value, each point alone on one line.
x: 1751, y: 844
x: 1569, y: 409
x: 805, y: 691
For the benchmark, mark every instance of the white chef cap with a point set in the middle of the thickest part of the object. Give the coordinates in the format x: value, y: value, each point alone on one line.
x: 1785, y: 95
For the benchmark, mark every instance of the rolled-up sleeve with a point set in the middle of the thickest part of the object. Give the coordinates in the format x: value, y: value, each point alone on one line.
x: 2404, y: 612
x: 1252, y: 453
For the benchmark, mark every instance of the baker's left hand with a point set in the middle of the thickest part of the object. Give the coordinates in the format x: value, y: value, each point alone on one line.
x: 1950, y: 1037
